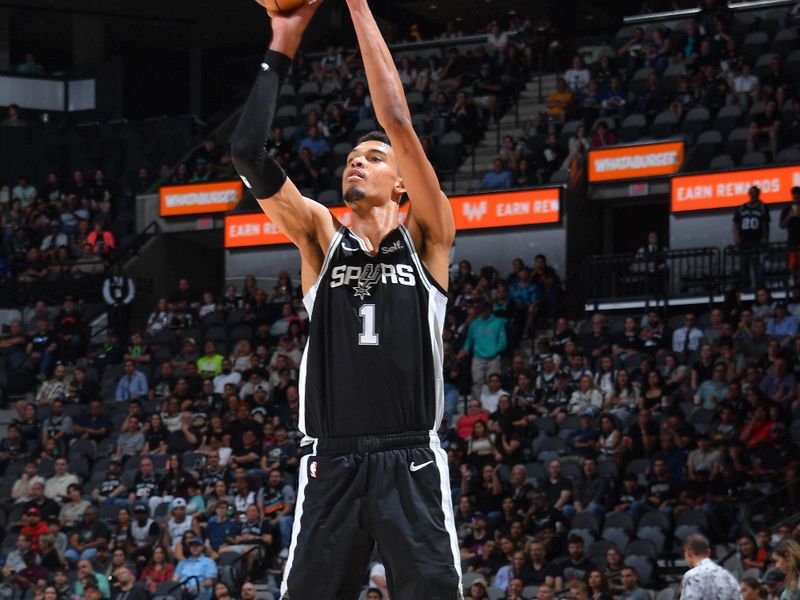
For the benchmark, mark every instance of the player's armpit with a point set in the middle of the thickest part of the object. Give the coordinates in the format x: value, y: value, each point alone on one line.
x: 308, y: 224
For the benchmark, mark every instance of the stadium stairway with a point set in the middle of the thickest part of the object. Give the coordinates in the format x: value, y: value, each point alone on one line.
x: 468, y: 181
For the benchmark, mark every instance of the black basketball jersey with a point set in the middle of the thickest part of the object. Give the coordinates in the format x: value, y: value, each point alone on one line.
x: 752, y: 221
x: 373, y: 359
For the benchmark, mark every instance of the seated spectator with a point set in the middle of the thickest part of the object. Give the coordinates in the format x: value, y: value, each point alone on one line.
x: 84, y: 540
x: 560, y: 101
x: 130, y: 442
x: 574, y: 567
x: 687, y: 338
x: 630, y: 585
x: 132, y: 385
x: 158, y: 570
x: 577, y: 76
x: 499, y: 178
x: 614, y: 100
x: 765, y: 127
x: 101, y: 240
x: 56, y: 487
x: 782, y: 325
x: 632, y: 53
x: 713, y: 391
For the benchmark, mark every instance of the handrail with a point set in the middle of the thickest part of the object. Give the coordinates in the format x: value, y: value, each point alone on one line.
x: 689, y: 12
x: 180, y: 584
x: 745, y: 508
x: 140, y: 240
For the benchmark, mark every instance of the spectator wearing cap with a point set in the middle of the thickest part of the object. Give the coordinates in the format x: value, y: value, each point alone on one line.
x: 144, y: 533
x: 84, y: 541
x: 111, y: 490
x: 33, y: 526
x: 254, y: 532
x: 705, y: 579
x: 132, y: 385
x: 188, y: 354
x: 773, y: 583
x: 178, y: 522
x: 199, y: 566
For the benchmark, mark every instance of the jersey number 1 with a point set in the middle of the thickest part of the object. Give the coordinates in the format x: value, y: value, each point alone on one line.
x: 367, y: 337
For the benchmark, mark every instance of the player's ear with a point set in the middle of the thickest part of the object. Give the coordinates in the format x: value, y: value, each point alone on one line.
x: 399, y: 188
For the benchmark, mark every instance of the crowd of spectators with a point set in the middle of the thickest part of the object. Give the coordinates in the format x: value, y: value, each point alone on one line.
x: 706, y: 73
x: 578, y: 457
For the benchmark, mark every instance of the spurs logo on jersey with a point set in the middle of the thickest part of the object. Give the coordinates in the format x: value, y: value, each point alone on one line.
x: 373, y: 359
x: 369, y: 275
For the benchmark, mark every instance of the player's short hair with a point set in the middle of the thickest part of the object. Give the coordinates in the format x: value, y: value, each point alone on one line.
x: 374, y: 136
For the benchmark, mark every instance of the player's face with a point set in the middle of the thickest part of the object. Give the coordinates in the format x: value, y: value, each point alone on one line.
x: 371, y: 174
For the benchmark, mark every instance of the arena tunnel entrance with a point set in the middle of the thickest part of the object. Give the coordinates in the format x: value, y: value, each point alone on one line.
x: 626, y: 226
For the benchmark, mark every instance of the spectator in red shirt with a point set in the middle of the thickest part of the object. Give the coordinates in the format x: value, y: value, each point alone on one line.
x: 102, y: 241
x: 34, y: 527
x: 465, y: 422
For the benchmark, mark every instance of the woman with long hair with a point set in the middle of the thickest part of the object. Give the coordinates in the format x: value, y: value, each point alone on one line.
x: 480, y: 446
x: 606, y: 376
x: 175, y: 479
x: 623, y: 398
x: 121, y: 533
x: 158, y: 569
x: 786, y: 555
x: 156, y: 437
x: 221, y: 591
x: 654, y: 393
x: 610, y: 440
x: 598, y: 585
x: 748, y: 553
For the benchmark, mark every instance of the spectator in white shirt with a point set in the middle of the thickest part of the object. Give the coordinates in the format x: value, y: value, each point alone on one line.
x: 687, y: 338
x: 56, y: 486
x: 578, y: 76
x: 490, y: 394
x: 228, y: 375
x: 706, y: 580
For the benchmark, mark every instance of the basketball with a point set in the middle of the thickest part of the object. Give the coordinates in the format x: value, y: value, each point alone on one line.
x: 281, y: 5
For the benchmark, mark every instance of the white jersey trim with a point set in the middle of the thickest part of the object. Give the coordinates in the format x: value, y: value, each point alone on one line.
x: 308, y: 302
x: 437, y: 309
x: 447, y: 504
x: 298, y: 515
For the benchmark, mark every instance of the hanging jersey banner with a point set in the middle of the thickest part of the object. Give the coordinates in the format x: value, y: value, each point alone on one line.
x: 475, y: 211
x: 711, y: 191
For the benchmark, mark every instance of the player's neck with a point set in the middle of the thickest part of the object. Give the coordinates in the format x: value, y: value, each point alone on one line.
x: 374, y: 223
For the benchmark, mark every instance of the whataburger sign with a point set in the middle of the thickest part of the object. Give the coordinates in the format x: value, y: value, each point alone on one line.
x: 476, y: 211
x: 635, y: 162
x: 199, y: 198
x: 710, y: 191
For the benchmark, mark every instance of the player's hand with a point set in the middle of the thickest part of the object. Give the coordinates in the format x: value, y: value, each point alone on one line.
x: 294, y: 22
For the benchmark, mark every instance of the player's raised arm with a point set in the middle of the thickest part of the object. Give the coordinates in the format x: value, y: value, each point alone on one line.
x: 431, y: 222
x: 308, y: 224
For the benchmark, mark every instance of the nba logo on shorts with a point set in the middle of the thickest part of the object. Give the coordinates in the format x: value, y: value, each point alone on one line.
x: 313, y: 469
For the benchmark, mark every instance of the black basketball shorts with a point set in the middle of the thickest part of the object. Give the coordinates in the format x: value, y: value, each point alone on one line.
x: 354, y: 492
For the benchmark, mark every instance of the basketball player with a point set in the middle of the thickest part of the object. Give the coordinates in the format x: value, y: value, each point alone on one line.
x: 370, y: 381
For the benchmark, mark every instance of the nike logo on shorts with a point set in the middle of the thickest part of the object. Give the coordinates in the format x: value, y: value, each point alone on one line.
x: 415, y: 467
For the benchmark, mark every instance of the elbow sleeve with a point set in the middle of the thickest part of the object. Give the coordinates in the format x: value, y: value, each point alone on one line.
x: 259, y: 172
